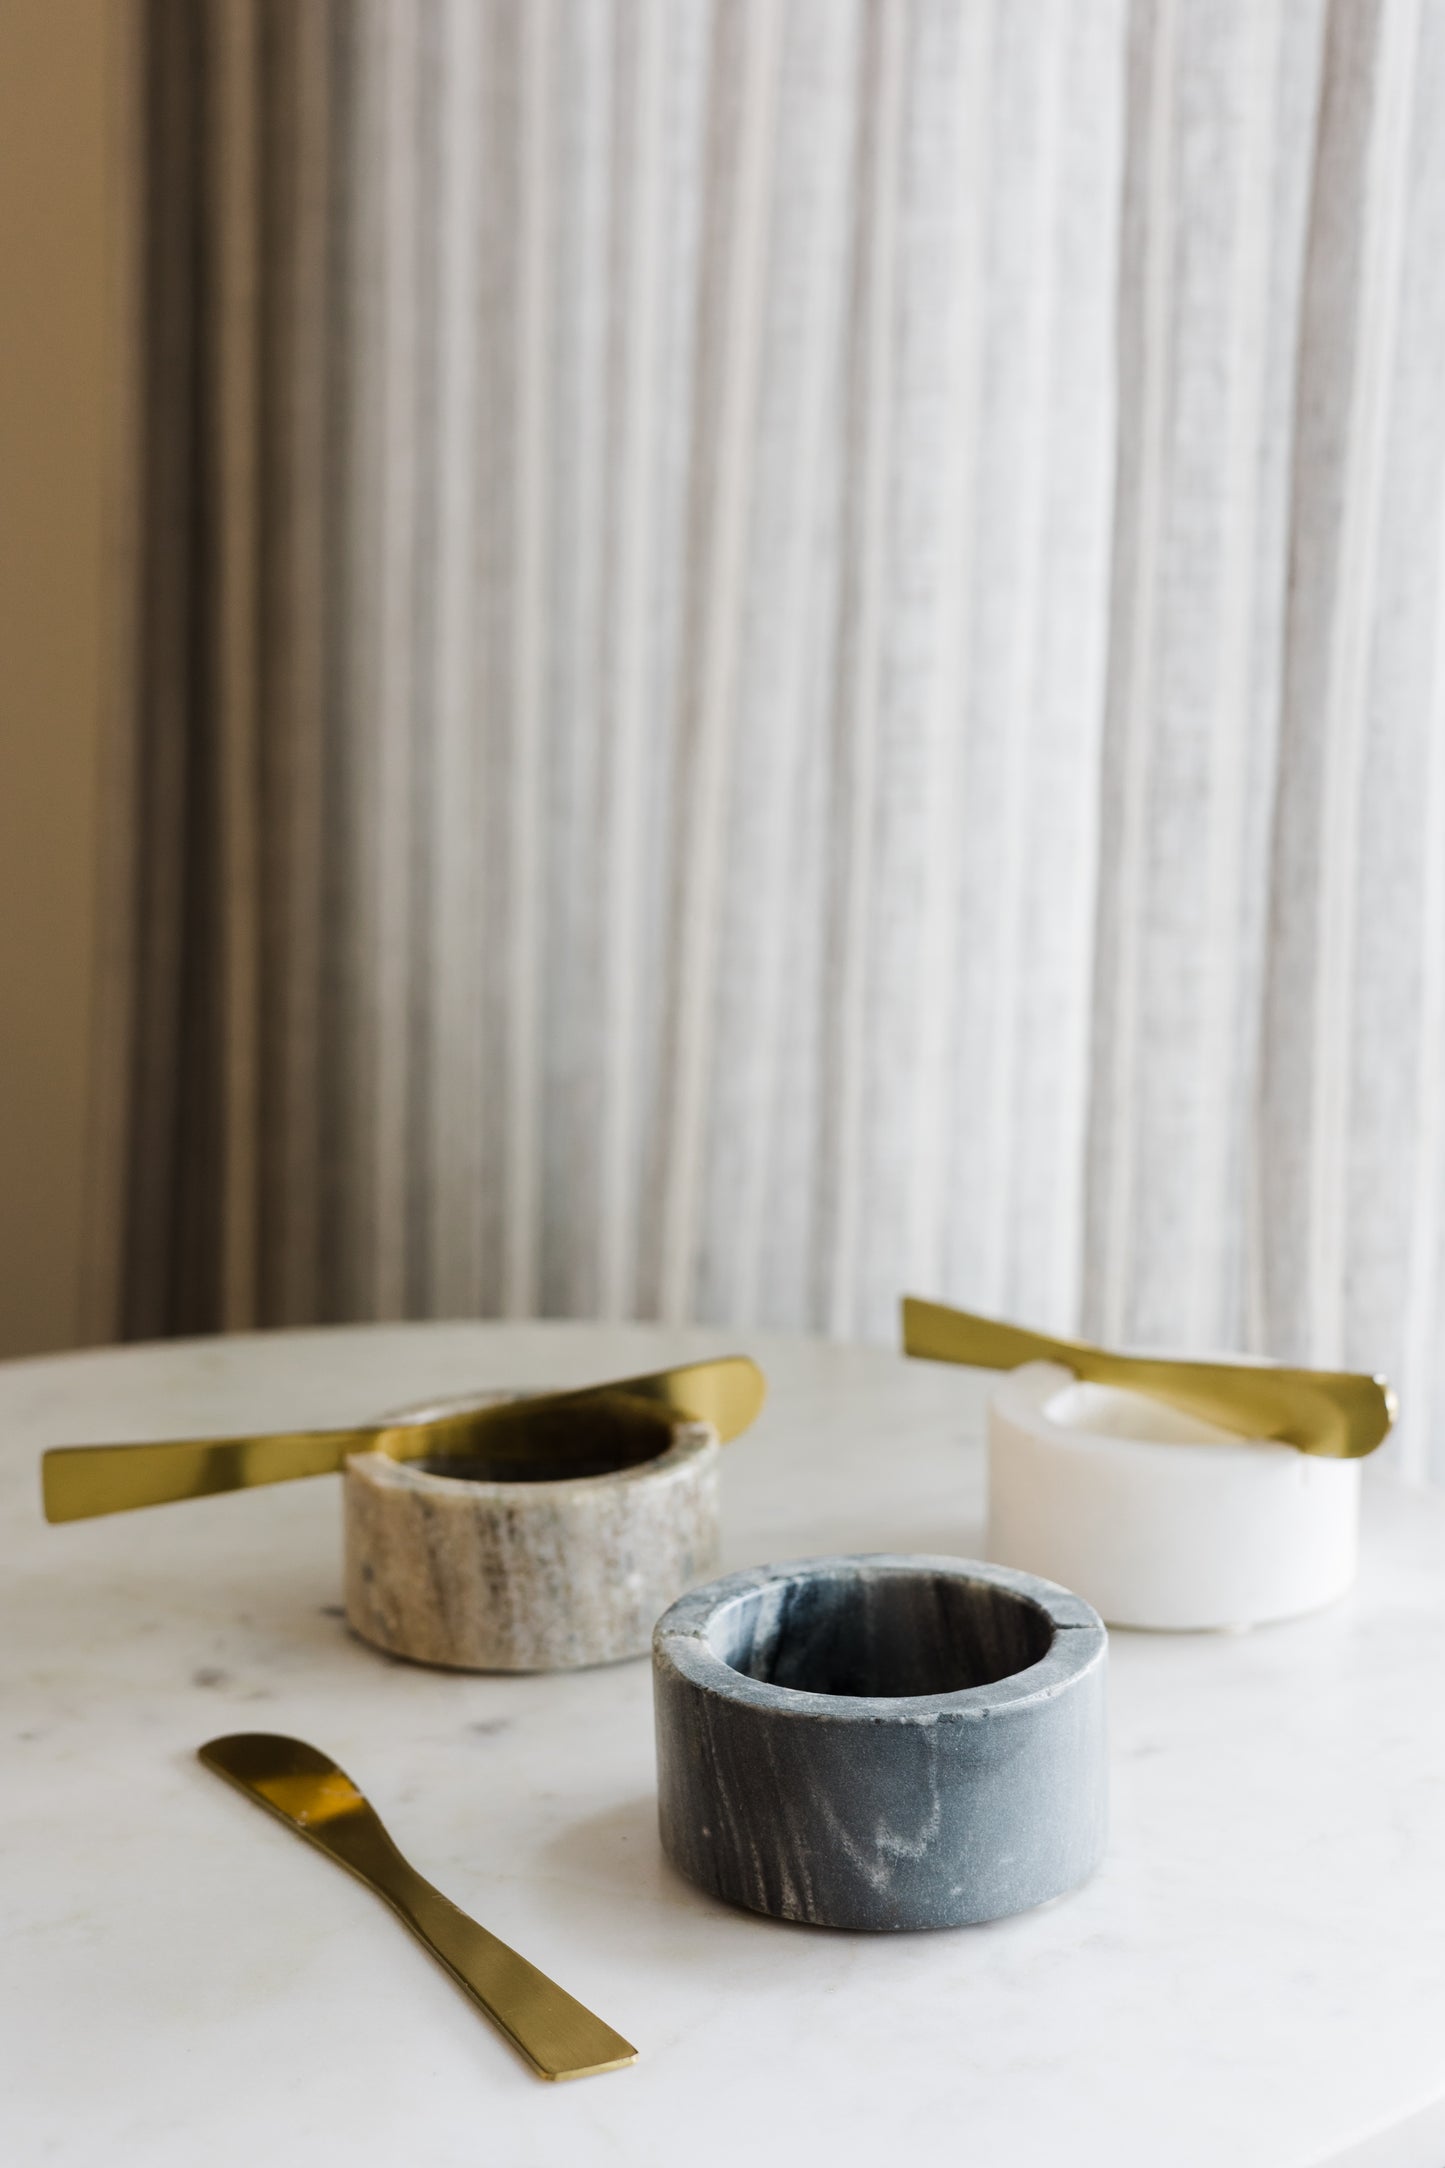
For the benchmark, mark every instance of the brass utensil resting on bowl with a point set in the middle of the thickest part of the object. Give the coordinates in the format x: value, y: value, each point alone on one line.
x: 586, y: 1432
x: 306, y: 1790
x: 1338, y: 1414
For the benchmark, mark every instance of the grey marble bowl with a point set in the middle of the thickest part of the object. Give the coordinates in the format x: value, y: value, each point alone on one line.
x: 881, y: 1742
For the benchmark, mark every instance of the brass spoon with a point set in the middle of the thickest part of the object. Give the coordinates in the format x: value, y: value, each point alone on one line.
x: 586, y: 1432
x: 307, y: 1792
x: 1338, y: 1414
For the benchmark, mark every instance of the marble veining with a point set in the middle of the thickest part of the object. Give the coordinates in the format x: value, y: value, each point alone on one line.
x: 881, y: 1742
x: 538, y: 1575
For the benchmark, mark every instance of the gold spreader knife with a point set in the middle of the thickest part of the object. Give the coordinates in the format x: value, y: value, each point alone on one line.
x: 590, y: 1431
x: 1339, y: 1414
x: 298, y: 1784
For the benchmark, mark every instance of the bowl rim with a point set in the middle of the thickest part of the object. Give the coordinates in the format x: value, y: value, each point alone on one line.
x: 1078, y: 1645
x: 690, y: 1441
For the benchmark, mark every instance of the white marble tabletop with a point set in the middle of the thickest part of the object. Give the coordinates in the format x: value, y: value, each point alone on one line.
x: 1256, y: 1977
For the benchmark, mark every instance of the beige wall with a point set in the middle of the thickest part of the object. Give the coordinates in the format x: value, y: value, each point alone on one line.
x: 58, y: 112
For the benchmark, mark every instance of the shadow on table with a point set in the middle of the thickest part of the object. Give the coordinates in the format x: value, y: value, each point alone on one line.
x: 618, y: 1855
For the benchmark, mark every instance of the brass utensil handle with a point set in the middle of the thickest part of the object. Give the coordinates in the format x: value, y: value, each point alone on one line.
x: 81, y: 1481
x: 1337, y: 1414
x: 933, y: 1330
x: 306, y: 1790
x: 559, y: 2036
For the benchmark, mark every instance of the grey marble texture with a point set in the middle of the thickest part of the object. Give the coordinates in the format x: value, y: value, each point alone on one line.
x: 527, y: 1576
x: 882, y: 1742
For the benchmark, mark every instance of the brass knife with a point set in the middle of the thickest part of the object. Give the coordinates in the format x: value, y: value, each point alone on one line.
x: 1338, y: 1414
x: 304, y: 1789
x: 583, y: 1432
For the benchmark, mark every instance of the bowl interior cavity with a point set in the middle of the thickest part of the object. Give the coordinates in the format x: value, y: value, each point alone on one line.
x: 880, y: 1633
x: 516, y: 1442
x: 1112, y: 1411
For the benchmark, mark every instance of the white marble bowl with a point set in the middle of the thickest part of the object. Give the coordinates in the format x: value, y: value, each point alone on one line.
x: 1157, y: 1519
x: 546, y: 1574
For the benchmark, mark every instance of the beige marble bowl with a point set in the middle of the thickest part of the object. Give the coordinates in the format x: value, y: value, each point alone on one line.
x: 541, y: 1575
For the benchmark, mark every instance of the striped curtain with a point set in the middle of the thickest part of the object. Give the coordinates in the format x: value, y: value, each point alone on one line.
x: 783, y: 649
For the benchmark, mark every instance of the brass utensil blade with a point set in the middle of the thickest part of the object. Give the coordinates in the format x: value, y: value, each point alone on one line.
x: 302, y: 1787
x: 586, y: 1431
x: 1338, y: 1414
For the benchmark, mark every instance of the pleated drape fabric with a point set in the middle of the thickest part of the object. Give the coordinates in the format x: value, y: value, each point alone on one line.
x: 783, y: 650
